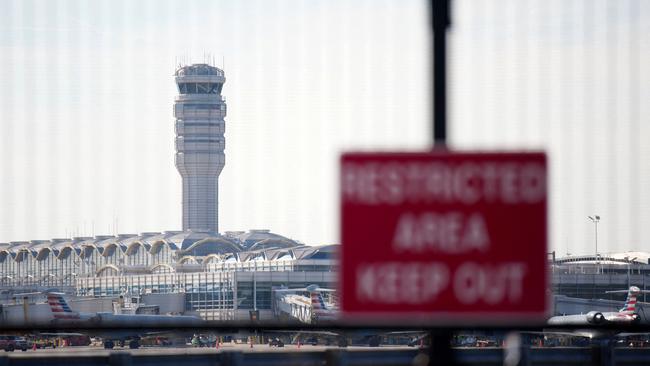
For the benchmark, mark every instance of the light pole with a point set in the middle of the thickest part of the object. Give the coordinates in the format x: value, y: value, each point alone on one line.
x: 595, y: 220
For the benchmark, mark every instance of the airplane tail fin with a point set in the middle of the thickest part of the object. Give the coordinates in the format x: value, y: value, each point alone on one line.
x: 630, y: 302
x: 317, y: 303
x: 322, y: 311
x: 60, y: 308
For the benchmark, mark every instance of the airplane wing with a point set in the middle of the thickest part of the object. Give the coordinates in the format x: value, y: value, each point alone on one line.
x: 582, y: 334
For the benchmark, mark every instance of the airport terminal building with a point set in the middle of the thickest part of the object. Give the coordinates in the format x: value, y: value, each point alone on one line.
x: 225, y: 276
x: 217, y: 276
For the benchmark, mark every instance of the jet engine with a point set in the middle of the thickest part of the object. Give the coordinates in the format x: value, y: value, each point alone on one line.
x: 595, y: 317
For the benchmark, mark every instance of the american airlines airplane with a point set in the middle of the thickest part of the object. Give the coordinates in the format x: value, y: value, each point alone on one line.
x: 321, y: 311
x: 64, y: 316
x: 327, y: 312
x: 626, y: 315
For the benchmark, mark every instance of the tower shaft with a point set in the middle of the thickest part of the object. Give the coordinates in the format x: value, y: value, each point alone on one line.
x: 199, y: 110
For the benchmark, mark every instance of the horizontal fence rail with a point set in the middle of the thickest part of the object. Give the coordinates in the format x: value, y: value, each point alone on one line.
x: 339, y: 357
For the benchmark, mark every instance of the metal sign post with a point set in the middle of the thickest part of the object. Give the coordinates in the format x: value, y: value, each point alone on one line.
x: 440, y: 22
x: 440, y: 348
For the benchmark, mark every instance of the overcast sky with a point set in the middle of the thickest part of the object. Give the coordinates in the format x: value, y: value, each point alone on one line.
x: 87, y: 93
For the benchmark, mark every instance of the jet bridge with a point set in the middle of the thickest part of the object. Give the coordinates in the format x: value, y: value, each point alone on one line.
x: 293, y: 307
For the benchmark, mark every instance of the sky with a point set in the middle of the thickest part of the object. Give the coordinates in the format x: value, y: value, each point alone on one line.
x: 87, y: 127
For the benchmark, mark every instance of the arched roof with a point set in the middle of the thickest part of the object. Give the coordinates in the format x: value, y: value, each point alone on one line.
x: 87, y: 250
x: 134, y: 246
x: 252, y: 237
x: 37, y: 245
x: 152, y: 237
x: 84, y: 246
x: 212, y: 245
x: 65, y: 252
x: 212, y: 258
x: 107, y: 267
x: 109, y: 249
x: 61, y: 243
x: 249, y: 256
x: 188, y: 259
x: 239, y: 246
x: 274, y: 254
x: 162, y: 265
x: 18, y: 246
x: 158, y: 245
x: 104, y: 241
x: 273, y: 243
x: 21, y: 255
x: 316, y: 252
x: 43, y: 253
x: 186, y: 239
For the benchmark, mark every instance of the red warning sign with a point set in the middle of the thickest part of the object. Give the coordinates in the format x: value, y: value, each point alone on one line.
x: 444, y: 237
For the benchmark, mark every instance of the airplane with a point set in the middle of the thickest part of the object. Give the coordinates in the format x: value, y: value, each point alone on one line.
x: 321, y: 311
x: 327, y: 312
x: 65, y: 316
x: 626, y: 315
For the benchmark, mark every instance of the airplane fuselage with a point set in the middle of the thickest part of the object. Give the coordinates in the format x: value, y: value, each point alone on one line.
x: 594, y: 318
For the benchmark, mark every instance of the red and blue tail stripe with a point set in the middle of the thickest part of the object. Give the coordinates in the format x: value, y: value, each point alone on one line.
x: 630, y: 302
x: 60, y: 308
x: 317, y: 302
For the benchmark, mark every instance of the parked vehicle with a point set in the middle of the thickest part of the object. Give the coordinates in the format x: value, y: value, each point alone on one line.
x: 200, y: 340
x: 9, y: 343
x: 23, y: 344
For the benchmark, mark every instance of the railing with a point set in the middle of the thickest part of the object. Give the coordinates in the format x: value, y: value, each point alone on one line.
x: 338, y: 357
x: 435, y: 350
x: 226, y: 358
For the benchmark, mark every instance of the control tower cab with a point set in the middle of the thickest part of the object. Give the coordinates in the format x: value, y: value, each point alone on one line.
x: 199, y: 110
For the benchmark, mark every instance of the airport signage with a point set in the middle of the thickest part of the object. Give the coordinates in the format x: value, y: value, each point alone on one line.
x: 444, y: 238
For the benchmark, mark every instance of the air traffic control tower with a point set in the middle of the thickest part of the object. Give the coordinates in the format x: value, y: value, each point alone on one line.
x: 199, y: 110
